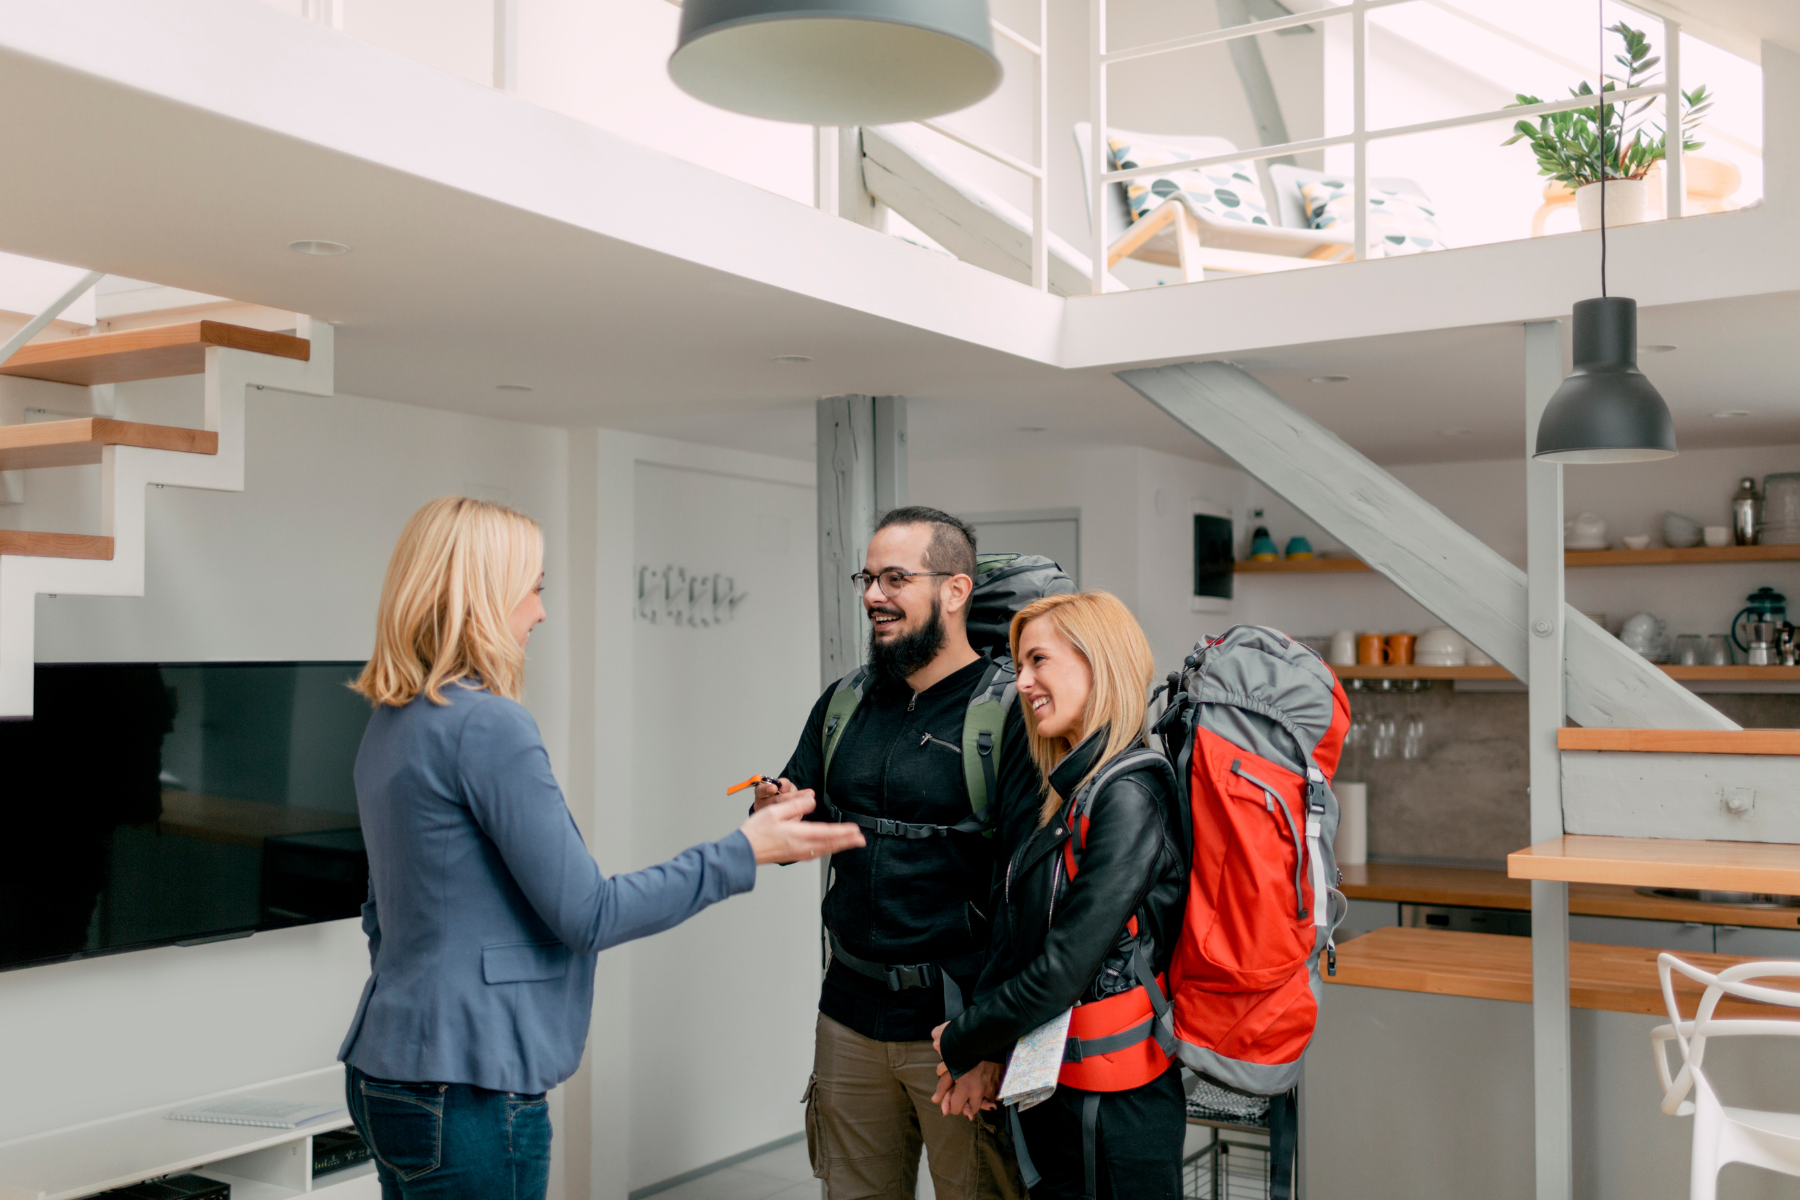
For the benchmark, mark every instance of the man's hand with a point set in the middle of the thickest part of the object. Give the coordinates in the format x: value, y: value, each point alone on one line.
x: 778, y: 835
x: 766, y: 793
x: 977, y: 1091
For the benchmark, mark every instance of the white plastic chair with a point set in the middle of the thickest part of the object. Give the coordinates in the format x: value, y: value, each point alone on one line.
x: 1724, y: 1135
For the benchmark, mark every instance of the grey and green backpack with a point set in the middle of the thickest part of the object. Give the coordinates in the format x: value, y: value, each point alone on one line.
x: 1004, y: 584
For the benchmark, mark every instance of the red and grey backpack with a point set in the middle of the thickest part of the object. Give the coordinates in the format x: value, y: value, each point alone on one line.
x: 1254, y: 725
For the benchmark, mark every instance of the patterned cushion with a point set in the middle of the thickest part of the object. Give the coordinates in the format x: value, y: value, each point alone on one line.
x: 1228, y: 194
x: 1398, y: 223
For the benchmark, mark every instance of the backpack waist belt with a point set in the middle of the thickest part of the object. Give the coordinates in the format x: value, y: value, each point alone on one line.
x: 918, y: 975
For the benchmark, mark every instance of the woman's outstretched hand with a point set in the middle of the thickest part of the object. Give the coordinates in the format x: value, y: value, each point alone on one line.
x: 778, y: 835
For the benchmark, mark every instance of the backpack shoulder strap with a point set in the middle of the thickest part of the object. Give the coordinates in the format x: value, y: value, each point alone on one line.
x: 846, y: 694
x: 983, y: 724
x: 1125, y: 762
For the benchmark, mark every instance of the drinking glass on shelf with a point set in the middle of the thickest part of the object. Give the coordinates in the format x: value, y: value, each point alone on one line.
x: 1382, y: 743
x: 1717, y: 651
x: 1687, y: 650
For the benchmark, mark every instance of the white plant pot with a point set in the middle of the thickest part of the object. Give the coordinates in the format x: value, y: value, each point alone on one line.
x: 1626, y: 202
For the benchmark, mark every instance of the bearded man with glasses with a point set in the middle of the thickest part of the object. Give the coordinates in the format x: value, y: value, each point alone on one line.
x: 907, y: 915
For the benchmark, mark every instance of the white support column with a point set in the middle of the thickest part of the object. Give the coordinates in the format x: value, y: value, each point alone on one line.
x: 890, y: 453
x: 1674, y: 181
x: 846, y: 474
x: 1544, y: 653
x: 1359, y: 130
x: 506, y: 45
x: 1040, y: 137
x: 1097, y: 155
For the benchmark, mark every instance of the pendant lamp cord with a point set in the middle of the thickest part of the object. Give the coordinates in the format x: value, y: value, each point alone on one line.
x: 1604, y: 166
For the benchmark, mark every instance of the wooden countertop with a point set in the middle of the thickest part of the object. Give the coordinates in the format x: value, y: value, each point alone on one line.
x: 1494, y: 967
x: 1477, y: 888
x: 1661, y: 862
x: 1682, y: 741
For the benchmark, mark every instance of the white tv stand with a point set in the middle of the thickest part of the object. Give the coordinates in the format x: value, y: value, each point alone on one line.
x: 259, y: 1164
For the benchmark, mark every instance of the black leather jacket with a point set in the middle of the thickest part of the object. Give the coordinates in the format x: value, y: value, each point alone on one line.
x: 1057, y: 941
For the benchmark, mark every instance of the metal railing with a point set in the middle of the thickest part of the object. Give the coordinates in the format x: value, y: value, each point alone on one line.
x: 1101, y: 179
x: 1038, y: 173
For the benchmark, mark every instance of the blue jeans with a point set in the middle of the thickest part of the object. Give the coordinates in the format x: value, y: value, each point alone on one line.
x: 452, y: 1141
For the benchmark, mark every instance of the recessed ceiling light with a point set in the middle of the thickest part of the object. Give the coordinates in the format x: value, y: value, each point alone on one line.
x: 513, y: 387
x: 317, y: 247
x: 791, y: 358
x: 1329, y: 379
x: 1459, y: 432
x: 1656, y: 349
x: 1034, y: 429
x: 1732, y: 412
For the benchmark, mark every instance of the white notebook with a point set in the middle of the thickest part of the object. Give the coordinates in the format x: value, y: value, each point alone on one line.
x: 257, y: 1110
x: 1035, y: 1063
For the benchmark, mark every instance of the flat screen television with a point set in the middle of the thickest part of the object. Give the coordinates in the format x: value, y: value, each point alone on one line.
x: 149, y: 804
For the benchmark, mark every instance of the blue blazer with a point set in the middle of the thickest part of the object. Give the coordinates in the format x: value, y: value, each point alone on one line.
x: 486, y: 912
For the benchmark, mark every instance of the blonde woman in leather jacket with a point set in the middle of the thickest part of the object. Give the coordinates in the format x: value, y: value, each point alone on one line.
x: 1089, y: 910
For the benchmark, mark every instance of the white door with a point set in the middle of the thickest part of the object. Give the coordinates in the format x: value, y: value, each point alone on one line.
x: 726, y: 668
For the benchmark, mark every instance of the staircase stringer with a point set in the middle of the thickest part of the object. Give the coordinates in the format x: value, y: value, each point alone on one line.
x: 126, y: 475
x: 1449, y: 571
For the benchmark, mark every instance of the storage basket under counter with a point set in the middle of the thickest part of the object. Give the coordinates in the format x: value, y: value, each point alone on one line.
x: 1234, y: 1163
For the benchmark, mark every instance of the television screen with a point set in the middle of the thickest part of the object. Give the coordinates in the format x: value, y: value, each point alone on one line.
x: 155, y: 803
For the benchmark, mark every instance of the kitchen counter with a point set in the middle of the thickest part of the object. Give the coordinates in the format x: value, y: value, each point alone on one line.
x: 1493, y: 967
x: 1476, y: 888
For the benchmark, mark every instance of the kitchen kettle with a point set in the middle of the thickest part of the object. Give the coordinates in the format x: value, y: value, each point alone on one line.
x: 1766, y: 607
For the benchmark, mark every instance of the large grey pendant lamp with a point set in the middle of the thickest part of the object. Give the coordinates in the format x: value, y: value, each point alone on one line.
x: 1606, y: 411
x: 836, y: 62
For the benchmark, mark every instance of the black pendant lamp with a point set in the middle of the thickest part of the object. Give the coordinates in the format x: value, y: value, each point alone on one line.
x: 1606, y: 411
x: 836, y: 62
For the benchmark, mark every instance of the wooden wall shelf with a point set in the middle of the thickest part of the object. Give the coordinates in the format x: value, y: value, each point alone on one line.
x: 1495, y: 967
x: 55, y: 545
x: 1682, y: 741
x: 1662, y: 862
x: 1413, y: 671
x: 1571, y: 558
x: 1305, y: 566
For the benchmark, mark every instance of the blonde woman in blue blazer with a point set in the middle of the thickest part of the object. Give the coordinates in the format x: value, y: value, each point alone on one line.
x: 486, y: 912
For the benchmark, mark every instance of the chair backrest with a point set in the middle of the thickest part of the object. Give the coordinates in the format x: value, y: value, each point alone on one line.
x: 1290, y: 206
x: 1118, y: 213
x: 1691, y: 1036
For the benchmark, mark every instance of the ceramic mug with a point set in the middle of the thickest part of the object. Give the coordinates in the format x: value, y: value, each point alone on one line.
x: 1343, y: 648
x: 1397, y: 651
x: 1369, y: 649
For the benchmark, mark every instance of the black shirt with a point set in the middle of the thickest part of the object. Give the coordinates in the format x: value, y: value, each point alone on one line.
x: 904, y: 901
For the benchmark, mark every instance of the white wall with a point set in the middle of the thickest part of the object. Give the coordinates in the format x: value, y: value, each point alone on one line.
x: 288, y: 569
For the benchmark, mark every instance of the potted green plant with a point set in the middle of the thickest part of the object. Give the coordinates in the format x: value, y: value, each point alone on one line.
x: 1611, y: 144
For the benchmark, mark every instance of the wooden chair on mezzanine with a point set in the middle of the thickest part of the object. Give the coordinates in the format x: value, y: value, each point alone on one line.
x: 1722, y: 1134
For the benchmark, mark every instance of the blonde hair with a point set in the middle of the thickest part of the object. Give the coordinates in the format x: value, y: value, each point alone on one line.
x: 1100, y: 626
x: 460, y: 568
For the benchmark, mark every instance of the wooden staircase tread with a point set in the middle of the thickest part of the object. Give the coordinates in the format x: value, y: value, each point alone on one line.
x: 55, y: 545
x: 80, y: 442
x: 1682, y: 741
x: 155, y: 353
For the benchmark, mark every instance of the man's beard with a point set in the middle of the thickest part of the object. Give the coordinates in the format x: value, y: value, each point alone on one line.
x: 899, y: 657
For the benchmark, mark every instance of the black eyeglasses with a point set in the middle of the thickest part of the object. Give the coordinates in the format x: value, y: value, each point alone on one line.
x: 891, y: 580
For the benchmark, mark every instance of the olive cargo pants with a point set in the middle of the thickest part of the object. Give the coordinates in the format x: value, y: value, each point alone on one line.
x: 869, y: 1112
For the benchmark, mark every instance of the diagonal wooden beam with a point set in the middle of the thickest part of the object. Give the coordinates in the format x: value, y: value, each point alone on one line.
x: 1424, y: 553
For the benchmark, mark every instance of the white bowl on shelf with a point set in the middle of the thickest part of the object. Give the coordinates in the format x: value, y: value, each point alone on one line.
x: 1440, y: 647
x: 1637, y: 541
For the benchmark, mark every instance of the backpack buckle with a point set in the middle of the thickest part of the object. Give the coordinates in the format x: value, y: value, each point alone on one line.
x: 919, y: 976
